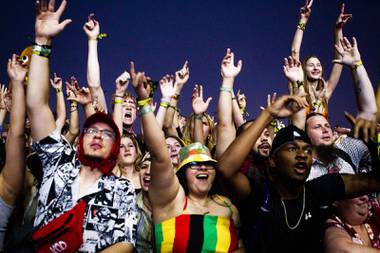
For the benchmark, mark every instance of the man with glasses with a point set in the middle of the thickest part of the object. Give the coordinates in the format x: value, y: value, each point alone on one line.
x: 69, y: 176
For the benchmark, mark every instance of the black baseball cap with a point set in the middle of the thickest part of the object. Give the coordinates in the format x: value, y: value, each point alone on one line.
x: 286, y: 135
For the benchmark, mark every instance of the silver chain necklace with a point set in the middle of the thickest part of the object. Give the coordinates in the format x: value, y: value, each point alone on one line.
x: 300, y: 218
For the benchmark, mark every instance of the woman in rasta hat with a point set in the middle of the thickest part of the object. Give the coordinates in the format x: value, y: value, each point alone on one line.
x: 187, y: 216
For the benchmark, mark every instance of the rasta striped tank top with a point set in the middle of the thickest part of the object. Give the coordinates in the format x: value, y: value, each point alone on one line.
x: 192, y: 233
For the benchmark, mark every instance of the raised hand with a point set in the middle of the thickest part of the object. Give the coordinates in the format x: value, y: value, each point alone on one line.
x: 286, y: 106
x: 241, y: 100
x: 56, y: 82
x: 198, y: 104
x: 166, y: 86
x: 342, y: 18
x: 293, y: 70
x: 3, y: 93
x: 80, y: 95
x: 47, y: 23
x: 97, y: 106
x: 350, y: 55
x: 363, y: 126
x: 92, y: 27
x: 305, y: 10
x: 228, y: 69
x: 122, y: 83
x: 181, y: 77
x: 16, y: 71
x: 141, y: 85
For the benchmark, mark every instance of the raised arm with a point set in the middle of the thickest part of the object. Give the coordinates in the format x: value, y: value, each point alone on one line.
x: 365, y: 95
x: 167, y: 92
x: 226, y: 128
x: 47, y: 26
x: 56, y: 83
x: 121, y: 83
x: 164, y: 186
x: 12, y: 175
x: 295, y: 75
x: 82, y: 96
x: 305, y: 13
x: 239, y: 104
x: 199, y: 108
x: 92, y: 30
x: 181, y: 78
x: 3, y: 107
x: 73, y: 131
x: 233, y: 158
x: 337, y: 68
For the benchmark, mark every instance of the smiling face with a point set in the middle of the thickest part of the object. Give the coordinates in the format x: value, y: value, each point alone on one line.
x: 313, y: 69
x: 354, y: 211
x: 174, y: 147
x: 200, y: 177
x: 319, y: 131
x: 292, y: 162
x: 263, y: 145
x: 129, y: 111
x: 98, y: 142
x: 145, y: 175
x: 128, y: 152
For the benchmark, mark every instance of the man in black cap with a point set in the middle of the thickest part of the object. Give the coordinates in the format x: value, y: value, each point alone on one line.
x: 284, y: 210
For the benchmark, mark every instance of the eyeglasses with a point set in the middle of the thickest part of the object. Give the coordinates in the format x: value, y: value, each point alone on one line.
x: 201, y: 165
x: 105, y: 133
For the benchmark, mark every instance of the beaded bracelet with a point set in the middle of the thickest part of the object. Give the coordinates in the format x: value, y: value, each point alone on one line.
x: 298, y: 84
x: 301, y: 26
x: 226, y: 89
x: 144, y: 110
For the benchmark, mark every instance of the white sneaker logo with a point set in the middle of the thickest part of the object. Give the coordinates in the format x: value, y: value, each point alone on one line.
x: 58, y: 247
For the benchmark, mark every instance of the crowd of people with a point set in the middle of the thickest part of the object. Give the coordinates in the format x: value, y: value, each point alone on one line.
x: 185, y: 184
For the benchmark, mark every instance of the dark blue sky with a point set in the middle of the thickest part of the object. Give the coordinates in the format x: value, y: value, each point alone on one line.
x: 160, y: 35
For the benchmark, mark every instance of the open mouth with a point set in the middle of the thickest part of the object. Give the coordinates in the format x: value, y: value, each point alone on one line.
x: 128, y: 115
x: 264, y: 146
x: 202, y: 177
x: 146, y: 180
x: 300, y: 167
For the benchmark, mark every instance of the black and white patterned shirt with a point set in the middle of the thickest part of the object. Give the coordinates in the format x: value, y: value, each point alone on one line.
x: 110, y: 216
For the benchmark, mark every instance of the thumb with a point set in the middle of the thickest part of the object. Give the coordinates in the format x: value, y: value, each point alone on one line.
x: 208, y: 101
x: 350, y: 118
x: 64, y: 23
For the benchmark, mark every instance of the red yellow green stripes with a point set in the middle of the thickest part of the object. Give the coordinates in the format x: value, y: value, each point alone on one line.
x: 195, y: 233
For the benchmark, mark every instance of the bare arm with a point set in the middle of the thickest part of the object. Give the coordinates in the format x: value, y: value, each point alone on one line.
x: 92, y: 30
x: 364, y: 92
x: 167, y: 92
x: 181, y: 78
x: 37, y: 96
x: 73, y: 123
x: 56, y: 83
x: 305, y: 13
x: 226, y: 129
x: 12, y: 175
x: 338, y: 240
x: 164, y: 186
x: 199, y: 108
x: 232, y: 159
x: 337, y: 68
x: 120, y: 247
x: 3, y: 108
x: 121, y: 86
x: 236, y: 111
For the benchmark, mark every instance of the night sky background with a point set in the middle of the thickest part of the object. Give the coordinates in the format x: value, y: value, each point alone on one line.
x: 160, y: 35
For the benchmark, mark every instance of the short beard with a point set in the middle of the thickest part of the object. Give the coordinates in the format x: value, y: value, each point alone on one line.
x: 326, y: 153
x: 94, y: 159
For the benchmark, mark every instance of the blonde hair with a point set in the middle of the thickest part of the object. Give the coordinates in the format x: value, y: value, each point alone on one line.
x: 188, y: 135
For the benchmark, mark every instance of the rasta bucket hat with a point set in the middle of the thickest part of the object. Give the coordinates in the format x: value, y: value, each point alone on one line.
x: 194, y: 152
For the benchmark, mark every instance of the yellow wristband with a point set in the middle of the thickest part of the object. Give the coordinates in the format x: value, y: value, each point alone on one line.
x: 118, y: 101
x: 143, y: 102
x: 357, y: 64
